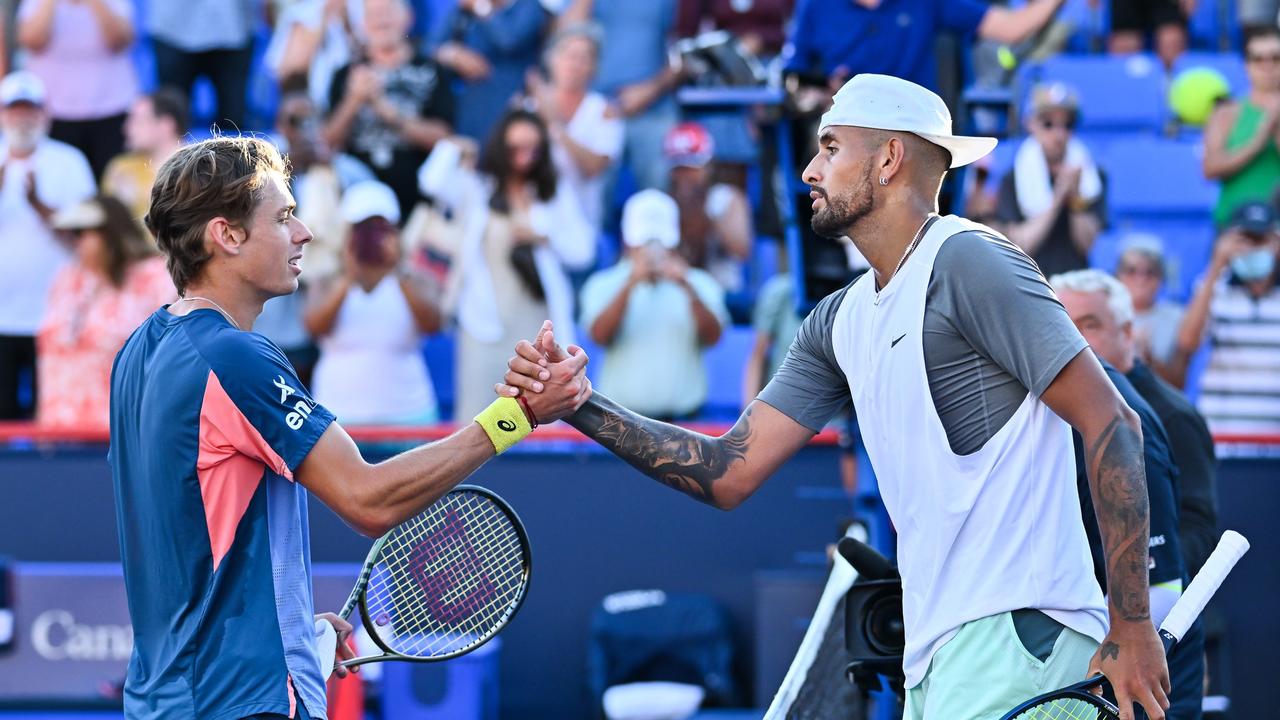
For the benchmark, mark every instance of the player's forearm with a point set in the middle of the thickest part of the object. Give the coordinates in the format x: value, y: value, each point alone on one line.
x: 695, y: 464
x: 1117, y: 479
x: 399, y: 488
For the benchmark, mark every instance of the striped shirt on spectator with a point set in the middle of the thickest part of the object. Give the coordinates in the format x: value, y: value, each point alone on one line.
x: 1240, y: 390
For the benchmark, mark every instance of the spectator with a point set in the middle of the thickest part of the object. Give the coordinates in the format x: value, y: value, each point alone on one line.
x: 1164, y: 20
x: 318, y: 176
x: 113, y: 282
x: 775, y: 320
x: 153, y: 131
x: 586, y: 130
x: 1052, y: 204
x: 1102, y: 311
x: 490, y: 45
x: 370, y: 321
x: 519, y: 229
x: 312, y: 39
x: 317, y: 179
x: 833, y: 41
x: 715, y: 218
x: 210, y: 38
x: 635, y: 74
x: 80, y: 49
x: 654, y: 315
x: 390, y: 107
x: 1155, y: 320
x: 1238, y: 304
x: 38, y: 177
x: 1240, y: 147
x: 759, y: 25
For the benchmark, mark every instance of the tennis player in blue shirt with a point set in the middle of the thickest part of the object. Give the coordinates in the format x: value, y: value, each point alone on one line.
x: 215, y: 444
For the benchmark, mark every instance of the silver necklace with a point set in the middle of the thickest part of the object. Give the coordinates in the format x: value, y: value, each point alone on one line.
x: 225, y: 314
x: 905, y: 254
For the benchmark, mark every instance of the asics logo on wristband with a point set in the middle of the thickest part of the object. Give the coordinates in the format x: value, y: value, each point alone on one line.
x: 506, y: 425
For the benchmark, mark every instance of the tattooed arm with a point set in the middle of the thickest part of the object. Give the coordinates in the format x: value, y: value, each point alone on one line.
x: 1131, y: 655
x: 719, y: 471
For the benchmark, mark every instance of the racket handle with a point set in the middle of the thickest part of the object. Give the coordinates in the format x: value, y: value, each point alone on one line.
x: 326, y: 647
x: 1230, y: 549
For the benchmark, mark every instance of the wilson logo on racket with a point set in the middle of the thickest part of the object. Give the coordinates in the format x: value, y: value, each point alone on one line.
x: 448, y: 569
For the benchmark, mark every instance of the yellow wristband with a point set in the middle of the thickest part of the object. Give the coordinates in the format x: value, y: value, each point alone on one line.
x: 504, y: 422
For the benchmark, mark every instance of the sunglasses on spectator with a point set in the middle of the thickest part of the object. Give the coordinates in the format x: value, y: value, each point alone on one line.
x: 1138, y: 270
x: 1271, y: 58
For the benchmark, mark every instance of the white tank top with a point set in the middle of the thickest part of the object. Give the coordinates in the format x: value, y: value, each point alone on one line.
x: 371, y: 368
x: 978, y: 534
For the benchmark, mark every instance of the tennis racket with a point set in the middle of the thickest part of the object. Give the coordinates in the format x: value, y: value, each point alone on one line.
x: 1077, y: 702
x: 440, y: 584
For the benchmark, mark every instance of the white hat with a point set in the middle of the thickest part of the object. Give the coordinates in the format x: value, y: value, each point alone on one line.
x: 651, y: 215
x: 21, y: 86
x: 81, y: 216
x: 889, y: 103
x: 367, y: 199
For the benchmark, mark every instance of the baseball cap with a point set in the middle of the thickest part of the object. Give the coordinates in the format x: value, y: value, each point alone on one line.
x: 651, y: 215
x: 21, y: 86
x: 1255, y: 218
x: 689, y: 145
x: 81, y: 216
x: 1053, y: 96
x: 883, y: 102
x: 367, y: 199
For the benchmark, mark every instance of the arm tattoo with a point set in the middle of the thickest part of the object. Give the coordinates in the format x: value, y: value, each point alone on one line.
x: 1110, y: 650
x: 1119, y: 486
x: 678, y: 458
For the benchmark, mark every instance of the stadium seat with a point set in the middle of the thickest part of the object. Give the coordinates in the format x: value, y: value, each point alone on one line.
x: 464, y: 688
x: 724, y: 363
x: 1116, y: 93
x: 1230, y: 64
x: 1154, y: 178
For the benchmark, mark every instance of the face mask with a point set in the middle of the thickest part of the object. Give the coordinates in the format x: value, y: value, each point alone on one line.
x: 1254, y: 265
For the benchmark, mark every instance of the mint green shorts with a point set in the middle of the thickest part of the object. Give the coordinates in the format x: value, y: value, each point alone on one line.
x: 984, y: 671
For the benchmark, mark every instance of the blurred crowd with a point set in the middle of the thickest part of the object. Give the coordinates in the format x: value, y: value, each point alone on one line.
x: 473, y: 167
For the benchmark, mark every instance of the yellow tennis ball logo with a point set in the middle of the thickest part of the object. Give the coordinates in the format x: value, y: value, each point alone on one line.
x: 506, y: 425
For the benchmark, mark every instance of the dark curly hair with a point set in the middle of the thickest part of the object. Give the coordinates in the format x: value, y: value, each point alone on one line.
x: 495, y: 159
x: 220, y: 177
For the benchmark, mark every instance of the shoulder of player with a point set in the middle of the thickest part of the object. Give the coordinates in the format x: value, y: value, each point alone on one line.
x: 229, y: 351
x: 975, y: 254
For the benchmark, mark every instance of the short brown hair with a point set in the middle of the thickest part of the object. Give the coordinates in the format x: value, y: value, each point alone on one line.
x: 219, y: 177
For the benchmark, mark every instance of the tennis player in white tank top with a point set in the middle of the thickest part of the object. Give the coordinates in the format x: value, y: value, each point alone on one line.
x: 967, y: 377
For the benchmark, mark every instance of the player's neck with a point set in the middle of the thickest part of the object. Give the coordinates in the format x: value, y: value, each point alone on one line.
x: 884, y: 235
x: 241, y: 307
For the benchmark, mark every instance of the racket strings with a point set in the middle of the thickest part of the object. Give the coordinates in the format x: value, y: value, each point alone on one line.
x: 1068, y: 708
x: 447, y: 579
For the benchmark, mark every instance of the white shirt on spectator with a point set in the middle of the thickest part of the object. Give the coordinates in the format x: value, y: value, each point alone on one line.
x: 199, y: 25
x: 371, y: 368
x: 654, y: 364
x: 86, y: 80
x: 31, y: 252
x: 333, y: 53
x: 592, y: 128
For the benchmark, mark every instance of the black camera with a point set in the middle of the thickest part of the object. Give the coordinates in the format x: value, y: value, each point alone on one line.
x: 874, y: 632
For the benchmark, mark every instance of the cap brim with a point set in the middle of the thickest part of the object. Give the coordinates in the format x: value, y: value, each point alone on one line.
x: 964, y: 149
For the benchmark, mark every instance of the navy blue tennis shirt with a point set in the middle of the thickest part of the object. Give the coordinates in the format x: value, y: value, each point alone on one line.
x: 208, y: 425
x: 895, y: 38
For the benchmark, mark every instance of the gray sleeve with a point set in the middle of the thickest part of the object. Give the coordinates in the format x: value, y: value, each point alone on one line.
x: 1000, y: 303
x: 809, y: 386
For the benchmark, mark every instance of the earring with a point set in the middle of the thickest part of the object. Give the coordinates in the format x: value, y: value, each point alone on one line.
x: 884, y: 180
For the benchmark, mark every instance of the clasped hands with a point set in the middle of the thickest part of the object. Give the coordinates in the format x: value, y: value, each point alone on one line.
x: 552, y: 380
